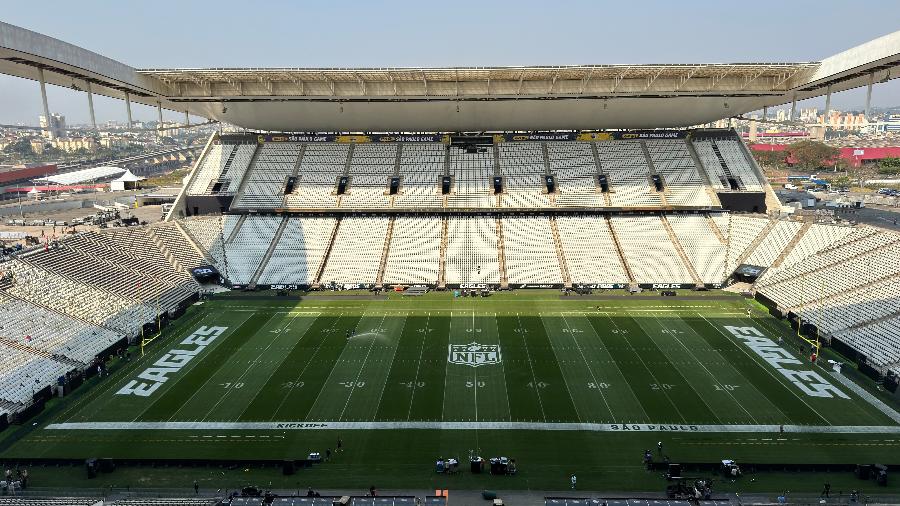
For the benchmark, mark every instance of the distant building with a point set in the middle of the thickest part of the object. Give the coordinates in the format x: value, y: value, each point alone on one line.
x: 55, y: 127
x: 38, y: 145
x: 70, y: 145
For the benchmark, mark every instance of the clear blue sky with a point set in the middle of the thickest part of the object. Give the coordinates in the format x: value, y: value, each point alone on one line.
x: 162, y: 33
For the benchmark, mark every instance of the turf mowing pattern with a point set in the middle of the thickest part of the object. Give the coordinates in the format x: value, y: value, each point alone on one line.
x: 623, y: 362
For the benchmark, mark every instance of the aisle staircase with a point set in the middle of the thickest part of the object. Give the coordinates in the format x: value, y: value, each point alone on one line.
x: 442, y: 281
x: 501, y: 255
x: 684, y: 258
x: 265, y: 261
x: 318, y: 279
x: 790, y: 246
x: 379, y: 281
x: 612, y: 232
x: 560, y: 255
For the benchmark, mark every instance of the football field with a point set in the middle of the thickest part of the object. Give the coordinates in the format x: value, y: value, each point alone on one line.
x: 522, y: 372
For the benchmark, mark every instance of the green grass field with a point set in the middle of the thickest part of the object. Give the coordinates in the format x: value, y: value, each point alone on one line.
x: 572, y: 383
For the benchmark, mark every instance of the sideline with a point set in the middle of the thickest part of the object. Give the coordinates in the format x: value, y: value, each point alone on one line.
x: 470, y: 425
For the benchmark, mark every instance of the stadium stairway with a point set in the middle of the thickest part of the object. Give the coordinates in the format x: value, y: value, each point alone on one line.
x: 760, y: 237
x: 379, y: 281
x: 239, y: 194
x: 707, y: 183
x: 442, y: 278
x: 790, y: 246
x: 265, y: 260
x: 563, y: 265
x: 236, y: 229
x: 164, y: 250
x: 612, y: 232
x: 715, y: 229
x: 599, y: 169
x: 318, y: 279
x: 193, y: 242
x: 684, y: 258
x: 501, y: 255
x: 649, y: 159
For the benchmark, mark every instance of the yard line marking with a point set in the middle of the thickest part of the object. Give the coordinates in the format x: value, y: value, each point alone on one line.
x: 593, y: 376
x: 483, y: 425
x: 359, y: 372
x: 333, y: 368
x: 248, y: 369
x: 765, y: 367
x: 533, y: 377
x: 652, y: 376
x: 619, y: 369
x: 446, y: 367
x: 711, y: 375
x: 412, y: 396
x: 387, y: 375
x: 188, y: 369
x: 123, y: 374
x: 305, y: 367
x: 475, y: 371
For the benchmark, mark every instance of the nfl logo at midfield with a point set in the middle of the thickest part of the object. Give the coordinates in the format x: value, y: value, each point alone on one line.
x: 474, y: 354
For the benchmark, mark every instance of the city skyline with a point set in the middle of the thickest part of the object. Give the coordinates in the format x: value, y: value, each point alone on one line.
x: 412, y: 34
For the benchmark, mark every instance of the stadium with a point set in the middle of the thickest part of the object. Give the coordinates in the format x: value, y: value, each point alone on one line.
x: 535, y: 271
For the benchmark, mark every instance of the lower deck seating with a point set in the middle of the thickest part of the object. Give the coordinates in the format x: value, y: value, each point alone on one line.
x: 472, y: 255
x: 650, y: 254
x: 530, y: 251
x: 590, y: 250
x: 356, y: 253
x: 299, y: 252
x: 415, y: 250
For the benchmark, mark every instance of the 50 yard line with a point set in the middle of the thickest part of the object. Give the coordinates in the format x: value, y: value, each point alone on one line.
x: 412, y: 396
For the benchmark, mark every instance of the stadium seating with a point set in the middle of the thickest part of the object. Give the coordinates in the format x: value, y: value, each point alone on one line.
x: 246, y: 249
x: 773, y: 244
x: 682, y: 180
x: 575, y: 169
x: 420, y: 170
x: 628, y: 171
x: 263, y: 188
x: 317, y: 176
x: 356, y: 253
x: 589, y: 250
x: 370, y: 170
x: 522, y: 168
x: 724, y: 159
x: 530, y: 251
x: 299, y: 252
x: 169, y: 238
x: 473, y: 175
x: 27, y: 325
x: 472, y: 255
x: 415, y: 249
x: 222, y: 170
x: 704, y: 250
x: 650, y: 254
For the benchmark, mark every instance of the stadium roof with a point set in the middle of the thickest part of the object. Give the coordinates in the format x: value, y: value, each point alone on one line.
x: 454, y: 99
x: 82, y: 176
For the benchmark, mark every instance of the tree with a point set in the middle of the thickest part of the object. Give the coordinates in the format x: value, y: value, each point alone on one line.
x: 771, y: 159
x: 812, y: 155
x: 21, y: 147
x: 889, y: 166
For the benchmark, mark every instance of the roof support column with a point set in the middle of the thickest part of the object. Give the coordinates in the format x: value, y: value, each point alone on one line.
x: 159, y: 123
x: 90, y: 96
x: 827, y: 106
x: 793, y: 108
x: 50, y: 132
x: 187, y: 118
x: 128, y: 108
x: 765, y: 113
x: 869, y: 96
